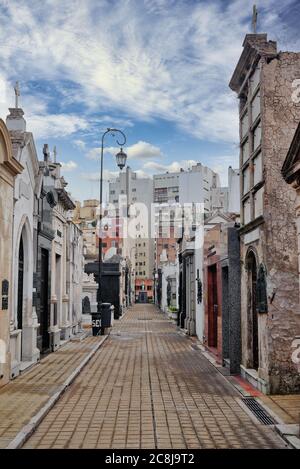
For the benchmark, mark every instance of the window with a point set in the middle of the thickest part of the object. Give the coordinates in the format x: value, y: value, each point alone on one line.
x: 104, y: 245
x: 246, y: 180
x: 133, y: 190
x: 255, y: 106
x: 244, y: 124
x: 257, y: 163
x: 112, y: 192
x: 258, y: 203
x: 245, y: 151
x: 149, y: 287
x: 247, y: 211
x: 257, y: 136
x: 255, y: 79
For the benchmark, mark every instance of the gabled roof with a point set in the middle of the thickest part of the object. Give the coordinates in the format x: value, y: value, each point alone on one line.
x: 291, y: 166
x: 255, y: 46
x: 218, y: 214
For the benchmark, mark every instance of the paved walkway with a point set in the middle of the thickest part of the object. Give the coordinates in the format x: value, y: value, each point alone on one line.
x: 22, y: 398
x: 147, y: 387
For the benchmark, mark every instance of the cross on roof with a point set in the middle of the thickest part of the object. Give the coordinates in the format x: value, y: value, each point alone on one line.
x: 17, y: 93
x: 254, y: 19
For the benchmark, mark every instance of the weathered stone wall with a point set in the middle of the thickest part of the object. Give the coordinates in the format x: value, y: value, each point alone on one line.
x: 257, y: 247
x: 280, y: 117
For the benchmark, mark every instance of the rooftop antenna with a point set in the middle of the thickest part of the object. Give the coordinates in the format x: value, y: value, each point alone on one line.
x: 254, y: 19
x: 17, y: 94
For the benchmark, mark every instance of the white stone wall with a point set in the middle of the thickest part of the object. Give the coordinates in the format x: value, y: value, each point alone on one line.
x: 7, y: 176
x: 75, y: 265
x: 24, y: 340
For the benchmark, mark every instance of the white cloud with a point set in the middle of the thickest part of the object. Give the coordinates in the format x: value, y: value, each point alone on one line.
x: 69, y: 166
x: 80, y: 144
x: 141, y: 174
x: 163, y: 59
x: 139, y: 151
x: 174, y: 167
x: 220, y: 165
x: 95, y: 176
x: 54, y: 125
x: 143, y: 150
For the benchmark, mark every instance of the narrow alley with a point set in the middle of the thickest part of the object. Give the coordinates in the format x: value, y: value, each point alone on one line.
x: 148, y: 387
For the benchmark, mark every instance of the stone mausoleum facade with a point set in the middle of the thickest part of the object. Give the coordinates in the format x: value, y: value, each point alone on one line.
x: 264, y: 81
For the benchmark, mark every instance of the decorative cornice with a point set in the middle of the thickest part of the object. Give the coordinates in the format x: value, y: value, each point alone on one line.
x: 66, y: 200
x: 255, y: 47
x: 11, y: 164
x: 252, y: 225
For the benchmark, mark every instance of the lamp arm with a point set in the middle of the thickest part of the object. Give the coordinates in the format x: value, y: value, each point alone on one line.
x: 113, y: 132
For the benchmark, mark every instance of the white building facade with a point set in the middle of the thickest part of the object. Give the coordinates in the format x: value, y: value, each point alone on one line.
x: 23, y: 321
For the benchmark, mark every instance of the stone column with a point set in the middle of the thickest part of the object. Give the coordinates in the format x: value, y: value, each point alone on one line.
x: 65, y: 323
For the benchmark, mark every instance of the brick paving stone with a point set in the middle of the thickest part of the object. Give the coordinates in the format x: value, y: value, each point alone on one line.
x: 145, y: 388
x: 23, y: 397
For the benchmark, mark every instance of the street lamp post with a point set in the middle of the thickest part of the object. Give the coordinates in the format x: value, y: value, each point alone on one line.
x: 121, y: 161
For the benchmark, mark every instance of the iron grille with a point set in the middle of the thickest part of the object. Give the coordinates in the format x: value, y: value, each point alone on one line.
x: 258, y: 411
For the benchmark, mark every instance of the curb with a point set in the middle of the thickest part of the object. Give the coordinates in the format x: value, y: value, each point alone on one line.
x: 286, y: 432
x: 23, y: 435
x: 289, y: 433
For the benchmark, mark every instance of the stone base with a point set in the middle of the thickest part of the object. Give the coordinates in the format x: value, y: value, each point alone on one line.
x: 75, y: 330
x: 15, y: 351
x: 15, y: 369
x: 30, y: 352
x: 65, y: 332
x: 251, y: 375
x: 54, y: 339
x: 190, y: 325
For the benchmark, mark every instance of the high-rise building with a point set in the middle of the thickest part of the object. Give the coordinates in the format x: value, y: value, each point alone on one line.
x: 171, y: 190
x: 137, y: 243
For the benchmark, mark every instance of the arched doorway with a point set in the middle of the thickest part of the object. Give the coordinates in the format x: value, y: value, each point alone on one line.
x: 20, y: 284
x: 252, y: 311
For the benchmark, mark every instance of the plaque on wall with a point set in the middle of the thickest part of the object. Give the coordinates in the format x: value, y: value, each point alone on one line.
x: 5, y: 289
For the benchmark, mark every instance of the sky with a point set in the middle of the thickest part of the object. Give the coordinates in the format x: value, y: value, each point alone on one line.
x: 156, y: 69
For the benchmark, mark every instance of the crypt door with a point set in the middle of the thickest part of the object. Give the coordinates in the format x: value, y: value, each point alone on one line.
x: 20, y: 285
x: 44, y: 305
x: 252, y: 311
x: 213, y: 307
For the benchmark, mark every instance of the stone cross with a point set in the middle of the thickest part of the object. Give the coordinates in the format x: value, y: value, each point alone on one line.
x: 17, y: 93
x: 254, y: 19
x: 54, y: 154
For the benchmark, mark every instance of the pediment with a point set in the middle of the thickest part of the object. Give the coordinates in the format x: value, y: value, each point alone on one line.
x: 217, y: 217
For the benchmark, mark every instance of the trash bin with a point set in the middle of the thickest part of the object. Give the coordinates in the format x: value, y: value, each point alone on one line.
x: 106, y: 310
x: 96, y: 323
